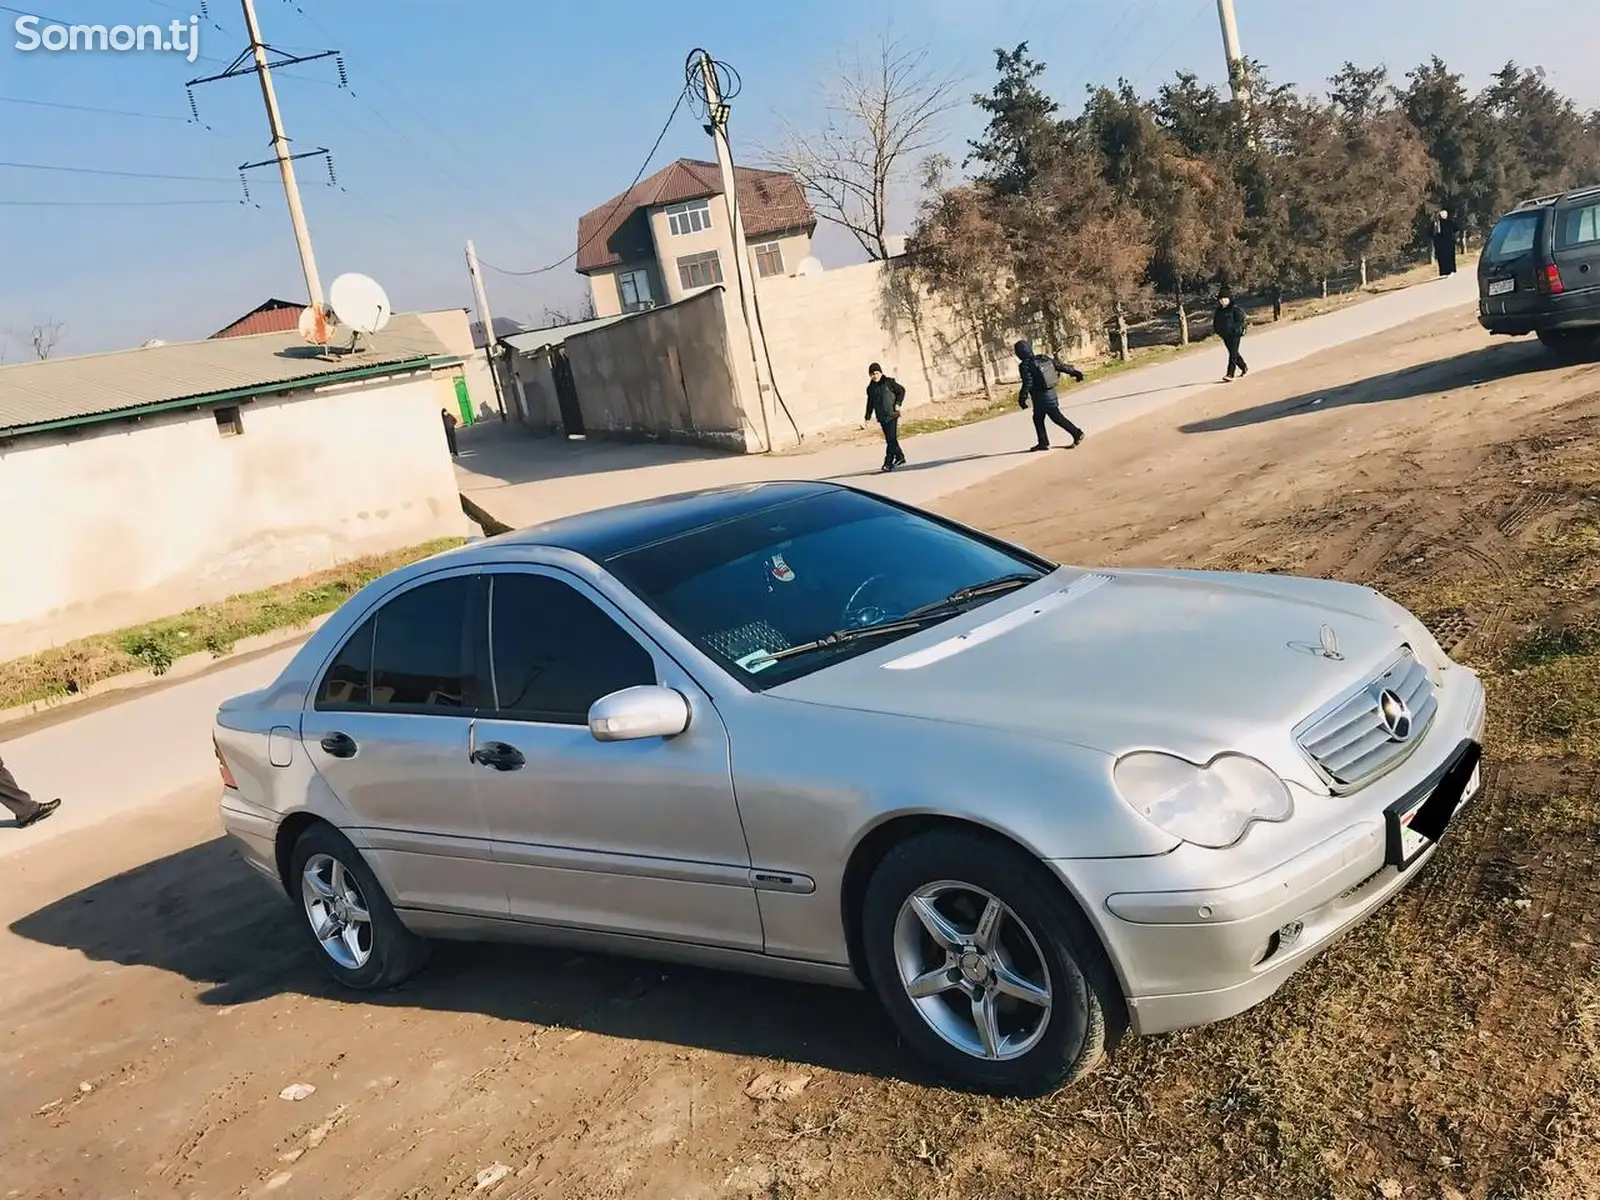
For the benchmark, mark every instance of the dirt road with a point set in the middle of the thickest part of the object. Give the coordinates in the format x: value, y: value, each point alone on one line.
x: 159, y: 1001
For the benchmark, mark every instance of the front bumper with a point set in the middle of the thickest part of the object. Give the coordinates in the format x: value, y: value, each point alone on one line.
x: 1189, y: 954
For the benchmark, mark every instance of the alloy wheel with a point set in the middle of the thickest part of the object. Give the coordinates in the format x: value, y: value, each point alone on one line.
x: 340, y: 919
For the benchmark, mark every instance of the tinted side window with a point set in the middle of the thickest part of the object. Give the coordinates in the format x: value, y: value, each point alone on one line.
x: 1512, y: 237
x: 424, y: 655
x: 348, y: 683
x: 1578, y: 226
x: 555, y: 651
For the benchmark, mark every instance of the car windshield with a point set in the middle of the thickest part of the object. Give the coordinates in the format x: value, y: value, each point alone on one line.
x: 798, y: 573
x: 1512, y: 237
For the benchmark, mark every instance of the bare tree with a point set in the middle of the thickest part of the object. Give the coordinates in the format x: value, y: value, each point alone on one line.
x: 882, y: 115
x: 45, y: 336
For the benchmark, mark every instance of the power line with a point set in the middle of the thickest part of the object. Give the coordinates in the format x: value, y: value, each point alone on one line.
x: 19, y: 166
x: 90, y: 108
x: 1199, y: 11
x: 110, y: 203
x: 621, y: 200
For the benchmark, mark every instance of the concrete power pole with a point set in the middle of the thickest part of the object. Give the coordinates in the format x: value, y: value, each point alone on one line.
x: 1230, y: 47
x: 717, y: 120
x: 280, y: 150
x: 487, y: 320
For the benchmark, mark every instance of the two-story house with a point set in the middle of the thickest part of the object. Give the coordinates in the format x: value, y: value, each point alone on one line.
x: 670, y: 235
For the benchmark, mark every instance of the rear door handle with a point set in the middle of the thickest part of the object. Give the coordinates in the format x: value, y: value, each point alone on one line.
x: 499, y: 757
x: 340, y: 745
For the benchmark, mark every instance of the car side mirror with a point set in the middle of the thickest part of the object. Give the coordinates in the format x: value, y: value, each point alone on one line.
x: 635, y: 713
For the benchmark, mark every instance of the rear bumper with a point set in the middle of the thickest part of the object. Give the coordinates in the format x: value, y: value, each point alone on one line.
x: 254, y: 831
x: 1190, y: 957
x: 1570, y: 310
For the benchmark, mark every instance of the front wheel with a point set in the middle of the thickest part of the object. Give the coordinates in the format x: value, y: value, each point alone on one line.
x: 986, y: 965
x: 358, y: 937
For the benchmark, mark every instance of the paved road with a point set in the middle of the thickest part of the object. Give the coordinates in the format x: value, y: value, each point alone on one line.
x: 147, y: 748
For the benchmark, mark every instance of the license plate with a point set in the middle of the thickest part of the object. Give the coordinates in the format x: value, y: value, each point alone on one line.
x: 1413, y: 843
x: 1499, y: 287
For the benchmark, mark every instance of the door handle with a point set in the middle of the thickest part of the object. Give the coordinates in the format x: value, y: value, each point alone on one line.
x: 340, y: 745
x: 499, y: 757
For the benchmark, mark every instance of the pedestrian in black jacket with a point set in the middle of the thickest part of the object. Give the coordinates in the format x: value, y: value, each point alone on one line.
x: 885, y: 395
x: 1444, y: 242
x: 1039, y: 374
x: 1229, y: 322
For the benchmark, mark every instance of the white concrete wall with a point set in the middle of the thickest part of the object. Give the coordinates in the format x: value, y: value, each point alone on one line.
x: 126, y: 522
x: 824, y: 330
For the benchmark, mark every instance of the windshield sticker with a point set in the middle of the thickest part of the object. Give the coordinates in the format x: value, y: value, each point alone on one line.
x: 758, y: 660
x: 781, y: 571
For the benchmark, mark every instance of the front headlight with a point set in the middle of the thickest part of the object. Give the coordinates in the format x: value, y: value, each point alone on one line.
x: 1210, y: 806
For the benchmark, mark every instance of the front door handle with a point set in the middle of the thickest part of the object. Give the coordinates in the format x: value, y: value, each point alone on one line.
x: 340, y: 745
x: 499, y: 757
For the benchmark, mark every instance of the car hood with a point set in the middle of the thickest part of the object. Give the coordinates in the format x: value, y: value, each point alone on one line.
x: 1194, y: 663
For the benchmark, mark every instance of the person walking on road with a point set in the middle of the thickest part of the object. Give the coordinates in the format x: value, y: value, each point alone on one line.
x: 1040, y: 373
x: 23, y: 807
x: 885, y: 395
x: 1229, y: 322
x: 450, y: 423
x: 1444, y: 242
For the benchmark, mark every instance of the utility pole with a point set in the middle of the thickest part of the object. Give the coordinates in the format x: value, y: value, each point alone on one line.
x: 280, y: 150
x: 1230, y: 47
x: 717, y: 126
x: 487, y: 321
x: 253, y: 60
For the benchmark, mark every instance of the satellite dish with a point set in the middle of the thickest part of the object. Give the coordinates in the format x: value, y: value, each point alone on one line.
x: 359, y: 303
x: 314, y: 324
x: 809, y: 266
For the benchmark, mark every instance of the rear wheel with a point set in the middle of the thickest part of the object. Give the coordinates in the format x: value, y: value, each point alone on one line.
x: 359, y: 939
x: 1569, y: 342
x: 987, y: 966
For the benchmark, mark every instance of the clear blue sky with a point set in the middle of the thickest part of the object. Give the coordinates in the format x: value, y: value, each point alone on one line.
x: 503, y: 120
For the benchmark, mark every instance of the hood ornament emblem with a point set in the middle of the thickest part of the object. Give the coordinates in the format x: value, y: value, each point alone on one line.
x: 1328, y: 642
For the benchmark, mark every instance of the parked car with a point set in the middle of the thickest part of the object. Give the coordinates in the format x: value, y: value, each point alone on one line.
x: 798, y: 729
x: 1540, y: 271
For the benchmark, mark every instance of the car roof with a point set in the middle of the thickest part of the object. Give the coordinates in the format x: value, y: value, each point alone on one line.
x: 1589, y: 192
x: 606, y: 533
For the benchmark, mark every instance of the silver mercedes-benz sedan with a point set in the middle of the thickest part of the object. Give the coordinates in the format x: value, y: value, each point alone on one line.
x: 798, y: 729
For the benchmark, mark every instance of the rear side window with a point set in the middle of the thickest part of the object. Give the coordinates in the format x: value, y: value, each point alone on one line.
x: 421, y: 652
x: 1512, y: 237
x: 556, y: 652
x: 1578, y: 227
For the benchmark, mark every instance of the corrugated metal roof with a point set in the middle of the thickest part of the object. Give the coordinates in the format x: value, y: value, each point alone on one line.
x: 538, y: 339
x: 769, y: 202
x: 100, y: 386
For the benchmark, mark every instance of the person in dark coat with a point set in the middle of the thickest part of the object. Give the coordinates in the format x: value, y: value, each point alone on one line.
x: 1039, y: 374
x: 885, y: 395
x: 1229, y: 321
x: 23, y: 807
x: 450, y: 423
x: 1444, y: 242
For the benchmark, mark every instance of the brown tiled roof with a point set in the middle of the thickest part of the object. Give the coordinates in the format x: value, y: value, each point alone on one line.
x: 275, y: 316
x: 769, y: 201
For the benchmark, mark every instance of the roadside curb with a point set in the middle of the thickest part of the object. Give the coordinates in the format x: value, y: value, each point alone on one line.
x: 186, y: 667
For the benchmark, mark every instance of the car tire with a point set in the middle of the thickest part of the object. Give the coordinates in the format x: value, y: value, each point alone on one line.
x: 1568, y: 343
x: 333, y: 886
x: 1042, y: 936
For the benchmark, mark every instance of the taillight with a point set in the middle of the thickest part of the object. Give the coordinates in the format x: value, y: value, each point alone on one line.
x: 1550, y: 282
x: 228, y: 781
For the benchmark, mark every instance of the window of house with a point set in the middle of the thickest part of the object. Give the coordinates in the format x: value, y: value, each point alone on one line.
x: 769, y: 259
x: 421, y: 652
x: 555, y: 652
x: 634, y: 289
x: 692, y: 217
x: 1578, y: 227
x: 699, y: 270
x: 229, y: 422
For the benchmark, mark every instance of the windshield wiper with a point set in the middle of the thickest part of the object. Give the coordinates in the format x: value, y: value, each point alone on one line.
x: 913, y: 620
x: 976, y: 591
x: 840, y: 637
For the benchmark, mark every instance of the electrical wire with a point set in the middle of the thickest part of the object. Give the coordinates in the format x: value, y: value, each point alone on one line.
x: 19, y: 166
x: 89, y: 108
x: 621, y: 200
x: 1199, y: 12
x: 110, y: 203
